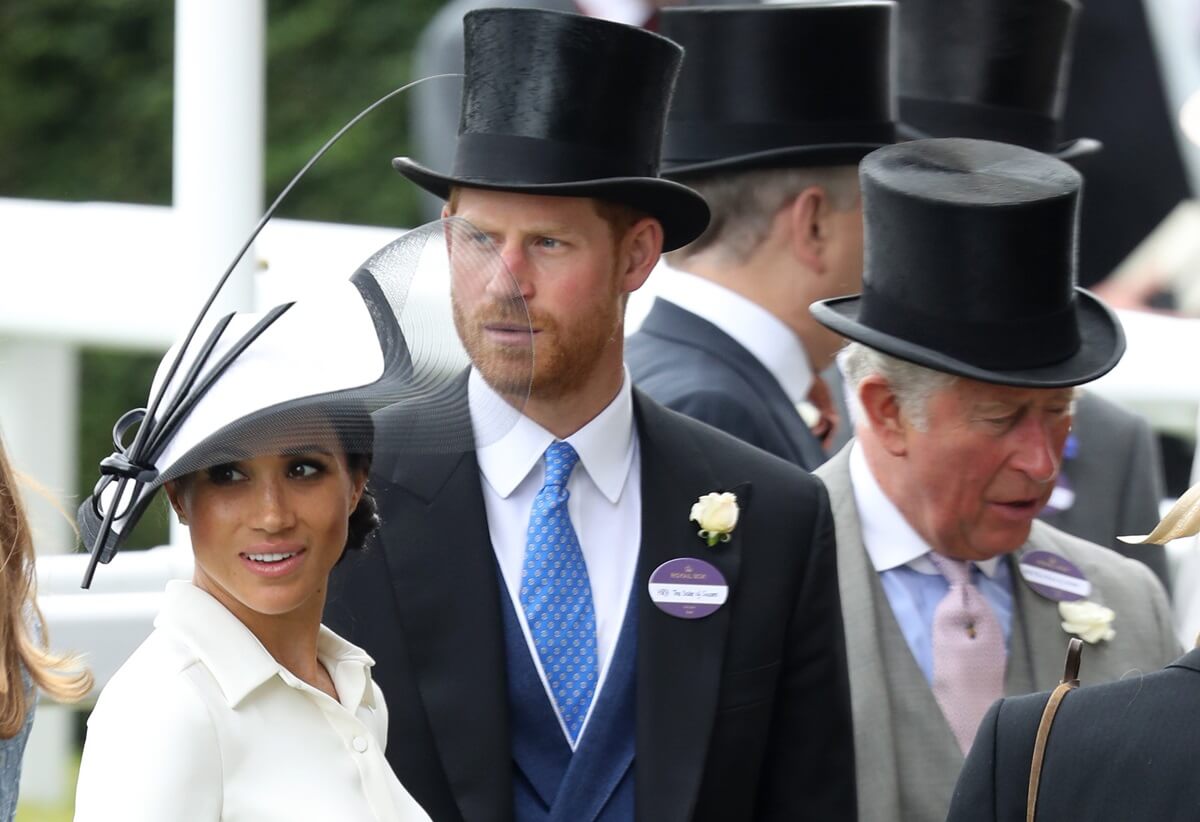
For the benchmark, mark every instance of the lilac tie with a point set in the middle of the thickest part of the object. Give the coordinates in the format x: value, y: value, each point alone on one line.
x: 968, y: 652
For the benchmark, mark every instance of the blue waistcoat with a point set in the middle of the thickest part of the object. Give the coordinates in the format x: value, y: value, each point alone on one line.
x: 550, y: 783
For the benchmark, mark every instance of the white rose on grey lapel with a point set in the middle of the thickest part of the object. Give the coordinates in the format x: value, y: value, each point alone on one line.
x: 1090, y: 621
x: 717, y: 516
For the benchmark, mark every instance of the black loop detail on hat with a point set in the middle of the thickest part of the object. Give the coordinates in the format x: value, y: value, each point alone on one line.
x: 1003, y: 124
x: 697, y: 141
x: 1011, y: 344
x: 119, y: 465
x: 499, y: 159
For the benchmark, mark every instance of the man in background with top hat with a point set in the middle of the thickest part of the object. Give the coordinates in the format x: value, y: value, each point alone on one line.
x: 613, y: 612
x: 967, y: 342
x: 730, y: 340
x: 997, y: 70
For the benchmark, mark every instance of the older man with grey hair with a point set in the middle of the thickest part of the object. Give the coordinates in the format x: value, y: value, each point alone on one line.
x: 730, y: 341
x: 969, y: 338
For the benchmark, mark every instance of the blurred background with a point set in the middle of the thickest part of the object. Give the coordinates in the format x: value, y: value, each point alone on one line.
x: 140, y: 141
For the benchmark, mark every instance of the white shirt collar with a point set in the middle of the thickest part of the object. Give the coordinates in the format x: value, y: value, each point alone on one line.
x: 765, y: 336
x: 239, y: 662
x: 890, y: 540
x: 604, y: 445
x: 630, y: 12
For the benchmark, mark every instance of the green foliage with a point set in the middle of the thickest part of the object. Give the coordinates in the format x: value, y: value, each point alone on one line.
x: 86, y: 91
x: 112, y: 382
x: 87, y: 102
x: 323, y: 66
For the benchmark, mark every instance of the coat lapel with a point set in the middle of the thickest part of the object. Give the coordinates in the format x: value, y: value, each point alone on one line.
x: 878, y: 781
x: 1041, y: 625
x: 679, y: 660
x: 444, y: 572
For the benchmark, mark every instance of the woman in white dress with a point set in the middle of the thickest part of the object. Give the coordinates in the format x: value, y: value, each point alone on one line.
x: 241, y: 705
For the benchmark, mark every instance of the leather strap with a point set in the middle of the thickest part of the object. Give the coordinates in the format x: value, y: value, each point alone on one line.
x: 1070, y: 682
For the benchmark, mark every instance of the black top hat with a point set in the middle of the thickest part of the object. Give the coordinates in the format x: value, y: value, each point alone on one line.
x: 970, y: 266
x: 561, y: 104
x: 992, y: 69
x: 787, y: 85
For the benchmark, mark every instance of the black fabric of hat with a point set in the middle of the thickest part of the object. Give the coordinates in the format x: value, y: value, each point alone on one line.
x: 970, y: 254
x: 566, y: 105
x: 787, y: 85
x: 990, y: 69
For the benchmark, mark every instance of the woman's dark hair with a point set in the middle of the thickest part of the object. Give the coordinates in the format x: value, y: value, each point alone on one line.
x: 364, y: 519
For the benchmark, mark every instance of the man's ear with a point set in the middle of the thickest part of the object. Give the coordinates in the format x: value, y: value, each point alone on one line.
x: 641, y: 249
x: 881, y: 413
x: 806, y: 216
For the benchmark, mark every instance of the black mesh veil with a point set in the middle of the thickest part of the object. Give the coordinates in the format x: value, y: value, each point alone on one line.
x: 373, y: 364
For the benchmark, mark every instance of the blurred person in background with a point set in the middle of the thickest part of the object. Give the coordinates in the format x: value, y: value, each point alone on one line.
x: 969, y: 338
x: 730, y: 340
x: 26, y: 666
x: 997, y: 70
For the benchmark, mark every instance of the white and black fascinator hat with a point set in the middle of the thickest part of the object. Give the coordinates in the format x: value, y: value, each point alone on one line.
x: 371, y: 364
x: 368, y: 365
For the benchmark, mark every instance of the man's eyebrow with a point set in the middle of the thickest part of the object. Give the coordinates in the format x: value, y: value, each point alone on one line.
x: 534, y: 228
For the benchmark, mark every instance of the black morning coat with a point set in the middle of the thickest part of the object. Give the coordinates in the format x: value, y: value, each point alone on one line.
x: 741, y: 715
x: 1116, y: 752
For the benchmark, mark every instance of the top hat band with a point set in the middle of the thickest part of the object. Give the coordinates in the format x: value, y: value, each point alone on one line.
x: 1011, y: 344
x: 539, y: 161
x: 970, y: 119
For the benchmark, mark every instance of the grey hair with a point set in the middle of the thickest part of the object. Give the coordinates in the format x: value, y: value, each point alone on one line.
x: 912, y: 384
x: 744, y: 204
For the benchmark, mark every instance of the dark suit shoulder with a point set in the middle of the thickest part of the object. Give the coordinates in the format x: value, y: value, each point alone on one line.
x: 1116, y: 751
x: 727, y: 452
x: 1097, y: 416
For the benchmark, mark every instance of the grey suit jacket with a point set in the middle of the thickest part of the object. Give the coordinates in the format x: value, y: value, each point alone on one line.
x: 906, y: 757
x: 1117, y: 478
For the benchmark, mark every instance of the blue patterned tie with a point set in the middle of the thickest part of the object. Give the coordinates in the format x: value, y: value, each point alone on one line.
x: 556, y: 594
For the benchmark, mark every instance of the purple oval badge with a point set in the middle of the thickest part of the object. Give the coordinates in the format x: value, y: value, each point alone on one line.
x: 688, y: 588
x: 1054, y: 576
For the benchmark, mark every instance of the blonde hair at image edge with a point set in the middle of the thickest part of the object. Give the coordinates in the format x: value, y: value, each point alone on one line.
x: 61, y: 676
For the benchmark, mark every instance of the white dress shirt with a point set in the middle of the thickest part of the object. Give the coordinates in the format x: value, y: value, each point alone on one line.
x: 912, y: 583
x: 765, y: 336
x: 605, y: 506
x: 201, y: 723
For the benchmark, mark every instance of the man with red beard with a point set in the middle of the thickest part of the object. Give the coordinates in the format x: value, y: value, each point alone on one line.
x: 969, y: 338
x: 611, y: 612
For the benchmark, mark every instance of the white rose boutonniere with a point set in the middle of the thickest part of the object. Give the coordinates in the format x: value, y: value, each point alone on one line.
x: 1090, y: 621
x: 717, y: 516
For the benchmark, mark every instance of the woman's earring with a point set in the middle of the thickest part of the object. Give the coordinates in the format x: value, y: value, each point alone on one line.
x: 182, y: 518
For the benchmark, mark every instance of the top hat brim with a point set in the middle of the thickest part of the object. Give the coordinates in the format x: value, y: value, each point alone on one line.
x: 1102, y: 343
x: 683, y: 213
x: 827, y: 154
x: 1065, y: 151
